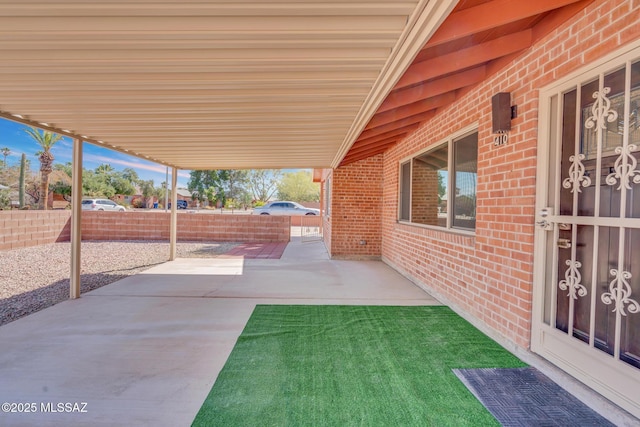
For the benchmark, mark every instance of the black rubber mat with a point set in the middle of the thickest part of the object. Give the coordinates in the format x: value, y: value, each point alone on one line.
x: 526, y: 397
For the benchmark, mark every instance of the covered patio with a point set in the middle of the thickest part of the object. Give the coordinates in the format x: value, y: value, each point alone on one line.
x: 364, y: 91
x: 147, y: 349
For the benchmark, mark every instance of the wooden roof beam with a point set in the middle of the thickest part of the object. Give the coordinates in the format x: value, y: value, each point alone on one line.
x: 372, y: 151
x: 432, y: 94
x: 466, y: 58
x: 394, y: 116
x: 550, y: 23
x: 378, y: 144
x: 352, y: 159
x: 392, y: 133
x: 418, y: 118
x: 490, y: 15
x: 385, y: 139
x: 558, y: 17
x: 383, y: 143
x: 426, y: 91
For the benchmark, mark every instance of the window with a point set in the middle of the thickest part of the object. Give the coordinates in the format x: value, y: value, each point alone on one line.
x: 405, y: 191
x: 438, y: 186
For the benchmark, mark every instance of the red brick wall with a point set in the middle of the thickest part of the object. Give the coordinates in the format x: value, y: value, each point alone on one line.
x: 488, y: 276
x: 191, y: 227
x: 20, y: 229
x: 356, y: 211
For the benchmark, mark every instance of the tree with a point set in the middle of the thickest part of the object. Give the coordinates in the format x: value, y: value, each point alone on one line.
x: 263, y: 183
x: 207, y: 184
x: 237, y: 191
x: 96, y: 185
x: 5, y: 152
x: 159, y: 192
x: 121, y: 185
x: 104, y: 169
x: 66, y: 168
x: 147, y: 189
x: 105, y: 181
x: 130, y: 175
x: 237, y: 183
x: 298, y: 186
x: 46, y: 140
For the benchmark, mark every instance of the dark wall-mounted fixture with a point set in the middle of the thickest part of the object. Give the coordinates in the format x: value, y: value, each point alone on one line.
x: 501, y: 114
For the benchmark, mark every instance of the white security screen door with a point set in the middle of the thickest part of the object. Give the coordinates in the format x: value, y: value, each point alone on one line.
x: 587, y: 281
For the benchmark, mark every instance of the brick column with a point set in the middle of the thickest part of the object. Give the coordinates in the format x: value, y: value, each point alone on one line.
x: 356, y: 210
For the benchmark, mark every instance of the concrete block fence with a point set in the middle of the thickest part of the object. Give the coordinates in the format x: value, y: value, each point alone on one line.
x: 19, y: 229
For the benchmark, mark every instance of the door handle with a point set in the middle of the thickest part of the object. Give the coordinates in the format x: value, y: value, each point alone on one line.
x: 564, y: 243
x: 543, y: 223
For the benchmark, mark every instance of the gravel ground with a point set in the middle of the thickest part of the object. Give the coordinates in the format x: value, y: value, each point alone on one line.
x: 38, y: 277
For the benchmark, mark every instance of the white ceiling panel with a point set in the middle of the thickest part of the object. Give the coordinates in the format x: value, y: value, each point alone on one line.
x: 210, y: 84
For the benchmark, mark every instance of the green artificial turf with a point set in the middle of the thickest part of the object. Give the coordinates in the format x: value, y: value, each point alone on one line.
x: 352, y: 366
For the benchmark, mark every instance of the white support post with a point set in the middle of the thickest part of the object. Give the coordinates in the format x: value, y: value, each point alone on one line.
x: 76, y: 213
x: 166, y: 191
x: 173, y: 232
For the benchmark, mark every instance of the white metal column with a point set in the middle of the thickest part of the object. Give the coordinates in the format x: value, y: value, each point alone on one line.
x: 76, y: 213
x: 174, y: 214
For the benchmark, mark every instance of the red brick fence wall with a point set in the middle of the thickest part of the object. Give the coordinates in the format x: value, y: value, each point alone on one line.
x: 19, y: 229
x: 31, y: 228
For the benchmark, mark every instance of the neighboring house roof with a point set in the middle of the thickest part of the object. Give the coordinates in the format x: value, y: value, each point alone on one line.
x: 183, y: 192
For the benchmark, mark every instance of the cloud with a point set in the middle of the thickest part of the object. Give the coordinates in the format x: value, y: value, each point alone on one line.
x: 122, y: 162
x: 152, y: 167
x: 64, y: 142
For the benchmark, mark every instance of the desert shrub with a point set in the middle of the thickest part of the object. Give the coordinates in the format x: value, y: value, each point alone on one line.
x: 5, y: 200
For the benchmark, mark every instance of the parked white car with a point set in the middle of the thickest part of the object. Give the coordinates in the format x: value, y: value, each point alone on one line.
x: 285, y: 208
x: 101, y: 205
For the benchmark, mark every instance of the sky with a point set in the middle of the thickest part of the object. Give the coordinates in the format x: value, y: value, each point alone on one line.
x: 14, y: 137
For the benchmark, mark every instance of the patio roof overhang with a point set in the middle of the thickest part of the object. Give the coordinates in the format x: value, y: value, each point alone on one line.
x: 216, y: 84
x: 210, y: 84
x: 476, y: 40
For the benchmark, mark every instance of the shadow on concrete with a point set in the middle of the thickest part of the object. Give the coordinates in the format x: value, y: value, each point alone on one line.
x: 26, y: 303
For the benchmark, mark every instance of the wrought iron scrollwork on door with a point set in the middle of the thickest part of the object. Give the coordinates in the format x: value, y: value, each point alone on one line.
x: 577, y: 175
x: 572, y: 279
x: 601, y: 110
x: 620, y: 293
x: 624, y: 171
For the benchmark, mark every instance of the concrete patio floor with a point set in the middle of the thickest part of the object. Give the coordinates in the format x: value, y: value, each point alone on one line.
x: 146, y: 350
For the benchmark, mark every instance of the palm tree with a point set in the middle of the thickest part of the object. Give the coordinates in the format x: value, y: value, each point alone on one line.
x: 46, y: 140
x: 5, y: 153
